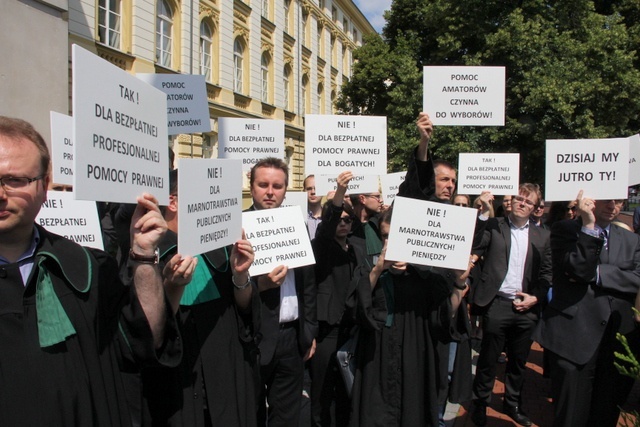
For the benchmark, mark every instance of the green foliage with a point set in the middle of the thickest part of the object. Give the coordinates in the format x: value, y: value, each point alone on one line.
x: 631, y: 368
x: 572, y: 72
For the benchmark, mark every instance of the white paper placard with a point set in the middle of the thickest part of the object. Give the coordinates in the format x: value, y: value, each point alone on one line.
x: 120, y: 133
x: 464, y: 96
x: 77, y: 220
x: 61, y: 148
x: 429, y: 233
x: 209, y: 205
x: 187, y: 103
x: 359, y: 184
x: 250, y: 140
x: 299, y: 199
x: 279, y: 237
x: 334, y: 144
x: 634, y: 160
x: 600, y: 167
x: 390, y: 184
x: 495, y: 172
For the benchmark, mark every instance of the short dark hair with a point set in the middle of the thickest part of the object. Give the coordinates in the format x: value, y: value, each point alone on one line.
x: 441, y: 162
x: 16, y: 129
x: 173, y: 182
x: 270, y: 162
x: 530, y: 188
x: 304, y: 183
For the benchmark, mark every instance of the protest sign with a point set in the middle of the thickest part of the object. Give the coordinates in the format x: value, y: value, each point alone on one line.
x: 334, y: 144
x: 390, y: 184
x: 429, y: 233
x: 600, y: 167
x: 634, y: 160
x: 77, y: 220
x: 187, y: 103
x: 250, y: 140
x: 120, y: 133
x: 299, y: 199
x: 61, y: 148
x: 359, y: 184
x: 279, y: 237
x: 464, y: 96
x: 210, y: 205
x: 495, y: 172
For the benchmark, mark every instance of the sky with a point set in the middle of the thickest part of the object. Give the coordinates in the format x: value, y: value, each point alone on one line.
x: 373, y: 10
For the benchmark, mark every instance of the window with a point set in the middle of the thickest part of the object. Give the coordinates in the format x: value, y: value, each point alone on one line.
x: 320, y: 101
x: 287, y: 12
x: 265, y: 9
x: 305, y: 94
x: 264, y: 74
x: 238, y: 52
x: 320, y: 44
x: 333, y: 51
x: 345, y: 25
x: 164, y: 24
x: 321, y: 4
x: 206, y: 36
x: 286, y: 83
x: 305, y: 29
x: 334, y: 14
x: 109, y: 18
x: 355, y: 35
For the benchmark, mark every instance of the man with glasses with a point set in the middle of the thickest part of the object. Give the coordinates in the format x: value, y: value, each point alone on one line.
x: 514, y: 282
x: 596, y: 276
x: 67, y: 321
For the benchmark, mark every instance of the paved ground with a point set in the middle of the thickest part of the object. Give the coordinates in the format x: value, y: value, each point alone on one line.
x: 536, y: 393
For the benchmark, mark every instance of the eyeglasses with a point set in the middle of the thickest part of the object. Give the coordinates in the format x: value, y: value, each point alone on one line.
x: 464, y: 205
x: 521, y: 199
x: 378, y: 198
x: 571, y: 208
x: 346, y: 219
x: 13, y: 183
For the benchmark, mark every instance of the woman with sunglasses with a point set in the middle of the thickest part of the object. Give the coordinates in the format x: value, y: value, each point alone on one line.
x: 337, y: 256
x: 560, y: 211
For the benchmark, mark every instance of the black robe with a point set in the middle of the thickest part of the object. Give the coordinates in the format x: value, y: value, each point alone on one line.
x: 396, y: 376
x: 78, y: 381
x: 218, y: 375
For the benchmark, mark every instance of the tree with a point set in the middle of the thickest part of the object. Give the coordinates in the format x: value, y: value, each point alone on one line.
x: 570, y: 71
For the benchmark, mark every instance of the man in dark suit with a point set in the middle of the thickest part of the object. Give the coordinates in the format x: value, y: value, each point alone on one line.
x: 514, y: 282
x: 288, y: 324
x: 596, y: 275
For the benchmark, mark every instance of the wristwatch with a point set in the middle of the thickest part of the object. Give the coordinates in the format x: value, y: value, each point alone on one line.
x: 144, y: 259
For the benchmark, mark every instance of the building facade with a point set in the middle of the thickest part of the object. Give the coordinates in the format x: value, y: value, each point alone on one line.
x: 272, y: 59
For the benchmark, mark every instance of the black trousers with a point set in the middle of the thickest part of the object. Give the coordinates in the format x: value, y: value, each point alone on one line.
x: 327, y: 385
x: 282, y: 382
x: 590, y: 394
x: 501, y: 325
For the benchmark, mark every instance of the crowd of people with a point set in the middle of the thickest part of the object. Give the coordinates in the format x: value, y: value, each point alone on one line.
x: 156, y: 338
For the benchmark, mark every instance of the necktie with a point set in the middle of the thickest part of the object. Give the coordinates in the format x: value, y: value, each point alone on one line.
x: 605, y: 237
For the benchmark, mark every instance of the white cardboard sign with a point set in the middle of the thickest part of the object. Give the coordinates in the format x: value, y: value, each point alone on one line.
x: 429, y: 233
x: 464, y: 96
x: 634, y: 160
x: 61, y: 148
x: 187, y: 103
x: 209, y: 205
x: 600, y: 167
x: 359, y: 184
x: 77, y: 220
x: 334, y: 144
x: 495, y: 172
x: 279, y: 237
x: 390, y: 184
x: 120, y: 133
x: 298, y: 199
x: 250, y: 140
